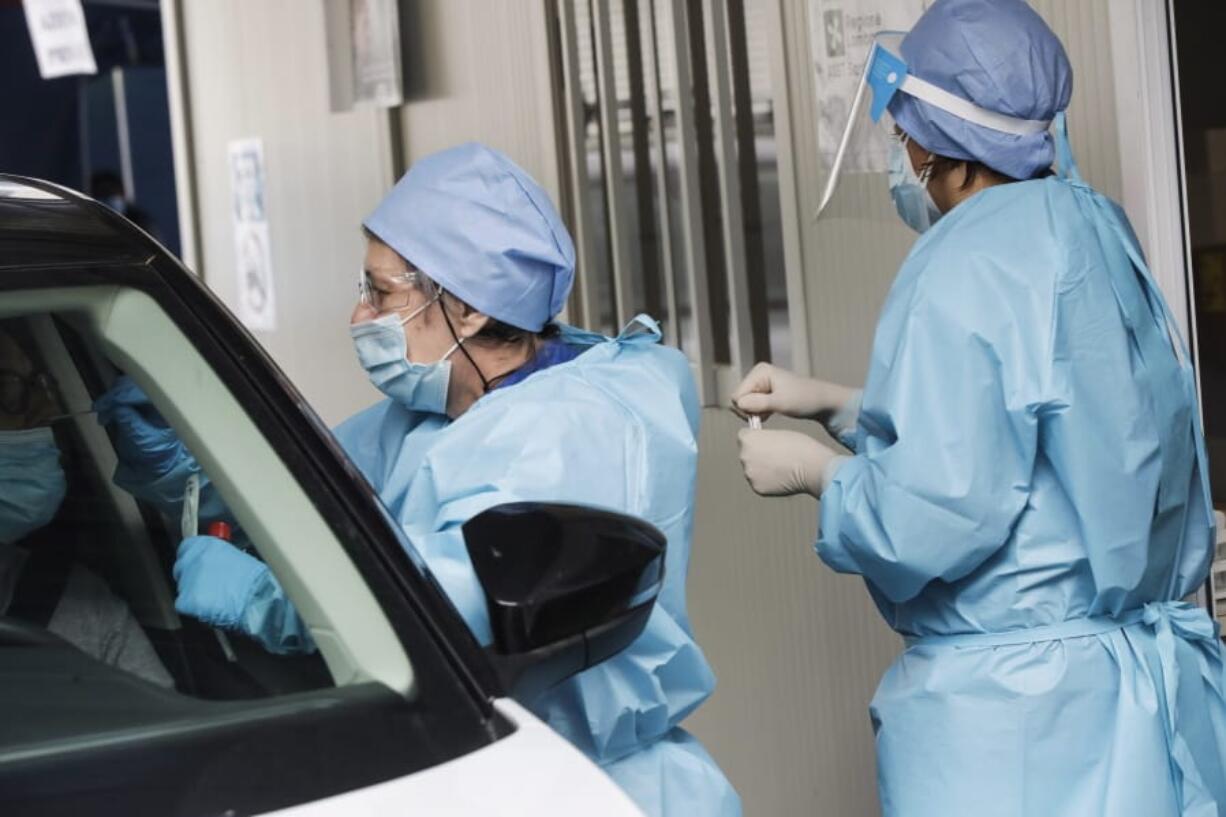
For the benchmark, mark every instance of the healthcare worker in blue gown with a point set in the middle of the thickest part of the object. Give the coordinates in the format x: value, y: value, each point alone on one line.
x: 1027, y: 500
x: 489, y: 400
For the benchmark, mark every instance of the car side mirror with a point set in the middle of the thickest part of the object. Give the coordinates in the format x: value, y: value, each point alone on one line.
x: 567, y: 587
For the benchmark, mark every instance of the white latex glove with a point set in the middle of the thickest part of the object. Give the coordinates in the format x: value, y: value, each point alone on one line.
x: 783, y: 463
x: 768, y: 389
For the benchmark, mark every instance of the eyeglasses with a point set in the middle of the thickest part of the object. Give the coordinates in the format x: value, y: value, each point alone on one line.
x: 17, y: 390
x: 384, y: 299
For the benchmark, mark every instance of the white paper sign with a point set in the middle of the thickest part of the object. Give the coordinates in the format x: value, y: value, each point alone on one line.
x: 60, y: 38
x: 364, y: 57
x: 840, y: 35
x: 375, y: 40
x: 252, y: 251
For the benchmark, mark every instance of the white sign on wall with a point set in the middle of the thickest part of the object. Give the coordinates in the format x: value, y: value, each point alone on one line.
x: 252, y: 251
x: 840, y: 35
x: 364, y: 58
x: 375, y: 33
x: 60, y: 38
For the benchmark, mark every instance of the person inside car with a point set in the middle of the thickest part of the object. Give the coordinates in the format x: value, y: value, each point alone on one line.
x: 40, y: 582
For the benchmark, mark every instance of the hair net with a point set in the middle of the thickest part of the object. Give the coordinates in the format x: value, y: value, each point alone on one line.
x: 475, y: 222
x: 998, y: 54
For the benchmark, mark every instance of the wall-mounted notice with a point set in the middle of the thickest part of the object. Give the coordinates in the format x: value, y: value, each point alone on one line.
x: 840, y: 35
x: 252, y: 251
x: 363, y: 47
x: 60, y: 38
x: 375, y: 32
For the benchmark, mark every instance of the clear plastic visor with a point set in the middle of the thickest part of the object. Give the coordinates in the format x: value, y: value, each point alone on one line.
x: 868, y: 131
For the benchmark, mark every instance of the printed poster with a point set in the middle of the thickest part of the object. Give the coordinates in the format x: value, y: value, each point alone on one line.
x: 840, y: 35
x: 253, y: 253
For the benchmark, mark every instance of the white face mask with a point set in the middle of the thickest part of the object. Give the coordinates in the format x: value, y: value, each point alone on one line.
x: 909, y: 192
x: 383, y: 352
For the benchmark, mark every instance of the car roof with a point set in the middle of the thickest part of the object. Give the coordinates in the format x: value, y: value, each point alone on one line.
x: 44, y: 224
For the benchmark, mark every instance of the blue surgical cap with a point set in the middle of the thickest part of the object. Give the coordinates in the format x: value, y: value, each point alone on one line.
x: 479, y: 226
x: 998, y: 54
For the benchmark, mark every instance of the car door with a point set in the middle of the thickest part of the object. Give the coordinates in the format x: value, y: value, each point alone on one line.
x: 397, y: 710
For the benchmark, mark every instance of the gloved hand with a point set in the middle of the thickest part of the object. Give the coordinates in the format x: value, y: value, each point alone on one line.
x: 227, y: 588
x: 144, y: 441
x: 783, y: 463
x: 154, y: 465
x: 216, y: 581
x: 768, y: 389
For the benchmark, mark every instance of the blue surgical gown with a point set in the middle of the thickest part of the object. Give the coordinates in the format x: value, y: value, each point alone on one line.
x: 615, y: 428
x: 1027, y: 504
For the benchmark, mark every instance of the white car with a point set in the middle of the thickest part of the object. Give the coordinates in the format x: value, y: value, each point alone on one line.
x: 400, y: 712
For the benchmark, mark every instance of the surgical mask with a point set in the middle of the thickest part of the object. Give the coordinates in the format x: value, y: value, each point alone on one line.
x: 383, y: 352
x: 911, y: 197
x: 32, y: 482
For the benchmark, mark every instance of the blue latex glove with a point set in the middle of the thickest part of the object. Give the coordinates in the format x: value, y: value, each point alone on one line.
x: 144, y: 441
x: 154, y: 464
x: 224, y: 587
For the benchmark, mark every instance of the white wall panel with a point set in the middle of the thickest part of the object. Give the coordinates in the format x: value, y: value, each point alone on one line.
x: 480, y: 69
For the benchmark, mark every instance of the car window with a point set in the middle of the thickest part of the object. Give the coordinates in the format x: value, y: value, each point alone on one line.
x: 93, y: 561
x: 98, y: 571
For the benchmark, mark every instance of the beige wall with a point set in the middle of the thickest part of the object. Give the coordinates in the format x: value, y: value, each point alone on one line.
x: 797, y: 648
x: 480, y: 69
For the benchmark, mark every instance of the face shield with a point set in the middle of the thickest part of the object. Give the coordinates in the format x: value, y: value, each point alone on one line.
x: 865, y: 143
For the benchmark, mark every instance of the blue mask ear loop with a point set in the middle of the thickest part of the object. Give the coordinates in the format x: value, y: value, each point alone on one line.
x: 1064, y: 151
